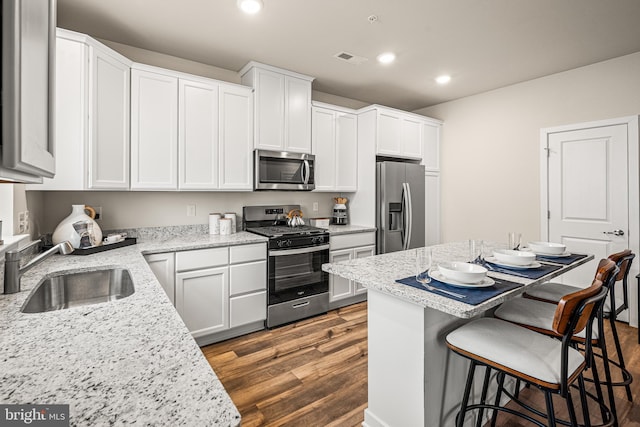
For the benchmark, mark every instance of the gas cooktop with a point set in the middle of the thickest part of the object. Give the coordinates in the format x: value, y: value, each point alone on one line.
x: 285, y: 230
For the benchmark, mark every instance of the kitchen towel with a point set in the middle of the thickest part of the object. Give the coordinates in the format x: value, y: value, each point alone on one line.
x: 531, y: 273
x: 473, y: 296
x: 561, y: 260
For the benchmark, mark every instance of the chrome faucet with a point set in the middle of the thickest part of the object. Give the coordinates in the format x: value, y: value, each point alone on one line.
x: 12, y: 270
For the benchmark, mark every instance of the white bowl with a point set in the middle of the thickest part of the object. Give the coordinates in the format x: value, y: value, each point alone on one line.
x: 512, y: 257
x: 547, y: 248
x: 463, y: 271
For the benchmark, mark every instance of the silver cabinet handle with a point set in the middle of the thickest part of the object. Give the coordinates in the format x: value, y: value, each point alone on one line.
x: 614, y: 232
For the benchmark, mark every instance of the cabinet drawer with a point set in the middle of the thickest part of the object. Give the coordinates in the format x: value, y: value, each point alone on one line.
x: 352, y: 240
x: 246, y: 253
x: 247, y: 308
x: 201, y: 258
x: 248, y: 277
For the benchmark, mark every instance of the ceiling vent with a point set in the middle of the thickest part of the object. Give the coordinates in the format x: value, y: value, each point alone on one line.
x: 350, y: 58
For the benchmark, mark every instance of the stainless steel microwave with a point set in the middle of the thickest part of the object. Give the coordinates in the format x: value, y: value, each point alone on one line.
x: 280, y: 170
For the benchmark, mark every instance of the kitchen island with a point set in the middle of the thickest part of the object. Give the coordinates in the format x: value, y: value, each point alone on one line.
x: 413, y: 379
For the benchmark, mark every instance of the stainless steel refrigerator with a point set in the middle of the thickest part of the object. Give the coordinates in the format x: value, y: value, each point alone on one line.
x: 400, y: 209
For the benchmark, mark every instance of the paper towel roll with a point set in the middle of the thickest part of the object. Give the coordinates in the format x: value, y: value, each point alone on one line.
x: 214, y: 223
x: 225, y: 226
x: 232, y: 217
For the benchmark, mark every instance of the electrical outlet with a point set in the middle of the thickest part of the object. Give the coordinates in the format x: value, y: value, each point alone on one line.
x: 98, y: 210
x: 315, y: 206
x: 191, y: 210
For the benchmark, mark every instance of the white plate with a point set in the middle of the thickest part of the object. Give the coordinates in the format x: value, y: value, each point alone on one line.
x: 563, y: 255
x: 484, y: 283
x: 493, y: 260
x: 105, y: 243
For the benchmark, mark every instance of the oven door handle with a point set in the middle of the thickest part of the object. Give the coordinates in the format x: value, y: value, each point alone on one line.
x: 283, y: 252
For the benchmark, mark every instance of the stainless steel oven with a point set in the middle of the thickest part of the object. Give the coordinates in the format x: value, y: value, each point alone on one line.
x: 297, y: 286
x: 279, y: 170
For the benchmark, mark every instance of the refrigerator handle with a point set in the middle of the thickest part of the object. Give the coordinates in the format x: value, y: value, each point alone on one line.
x: 409, y: 216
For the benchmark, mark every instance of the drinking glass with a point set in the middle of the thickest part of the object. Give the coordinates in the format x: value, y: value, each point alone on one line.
x: 475, y: 250
x: 423, y: 264
x: 514, y: 241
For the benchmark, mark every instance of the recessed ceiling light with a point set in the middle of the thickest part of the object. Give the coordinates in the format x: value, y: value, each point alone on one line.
x: 386, y: 58
x: 250, y: 6
x: 443, y: 79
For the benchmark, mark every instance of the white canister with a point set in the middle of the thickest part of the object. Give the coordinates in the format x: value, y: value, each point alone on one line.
x: 214, y: 223
x: 232, y: 217
x: 225, y: 226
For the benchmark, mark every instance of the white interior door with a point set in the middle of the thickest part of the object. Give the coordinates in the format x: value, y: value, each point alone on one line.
x: 588, y: 194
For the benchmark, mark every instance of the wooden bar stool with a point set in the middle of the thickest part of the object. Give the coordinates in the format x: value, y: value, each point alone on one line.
x: 547, y: 363
x: 539, y: 316
x: 552, y: 292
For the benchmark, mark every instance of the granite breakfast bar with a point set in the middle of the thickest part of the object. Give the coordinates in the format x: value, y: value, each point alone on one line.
x: 413, y: 379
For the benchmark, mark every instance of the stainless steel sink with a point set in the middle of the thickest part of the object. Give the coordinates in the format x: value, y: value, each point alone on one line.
x: 77, y: 289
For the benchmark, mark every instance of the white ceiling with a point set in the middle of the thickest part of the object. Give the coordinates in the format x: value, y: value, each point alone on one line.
x: 482, y: 44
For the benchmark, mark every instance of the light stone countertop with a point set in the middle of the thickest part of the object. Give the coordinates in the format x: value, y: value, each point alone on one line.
x: 380, y: 273
x: 117, y: 363
x: 336, y: 230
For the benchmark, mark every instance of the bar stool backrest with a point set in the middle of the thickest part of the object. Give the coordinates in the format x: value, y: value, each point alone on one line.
x: 623, y: 259
x: 576, y: 310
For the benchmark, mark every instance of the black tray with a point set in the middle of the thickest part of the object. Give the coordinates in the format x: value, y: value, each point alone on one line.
x: 128, y: 241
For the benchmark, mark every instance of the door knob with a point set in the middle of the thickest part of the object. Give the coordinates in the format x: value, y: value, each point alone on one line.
x: 615, y: 232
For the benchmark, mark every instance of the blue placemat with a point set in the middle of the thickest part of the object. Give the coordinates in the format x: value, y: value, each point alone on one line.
x: 531, y: 273
x: 473, y: 296
x: 562, y: 260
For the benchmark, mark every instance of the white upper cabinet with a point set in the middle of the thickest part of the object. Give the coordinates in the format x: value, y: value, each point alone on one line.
x: 92, y: 116
x: 236, y: 138
x: 282, y: 108
x: 154, y: 130
x: 335, y: 145
x: 198, y: 135
x: 189, y: 132
x: 431, y: 159
x: 397, y: 133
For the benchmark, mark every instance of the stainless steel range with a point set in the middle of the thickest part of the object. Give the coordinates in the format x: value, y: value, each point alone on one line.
x: 298, y: 287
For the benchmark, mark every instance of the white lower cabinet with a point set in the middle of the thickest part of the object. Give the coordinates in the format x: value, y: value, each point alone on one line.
x: 219, y: 292
x: 202, y: 299
x: 344, y: 248
x: 163, y: 266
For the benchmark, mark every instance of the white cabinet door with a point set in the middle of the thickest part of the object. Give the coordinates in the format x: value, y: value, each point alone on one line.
x: 346, y: 152
x: 432, y: 208
x: 163, y: 266
x: 358, y: 253
x: 411, y: 138
x: 198, y: 135
x: 109, y: 131
x: 202, y: 300
x: 389, y: 133
x: 270, y: 110
x: 248, y: 277
x: 297, y: 121
x: 339, y: 287
x: 324, y: 148
x: 154, y: 134
x: 246, y: 309
x: 431, y: 157
x: 236, y: 138
x: 72, y: 87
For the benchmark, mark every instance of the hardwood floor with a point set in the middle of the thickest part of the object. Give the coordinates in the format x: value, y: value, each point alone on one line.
x: 314, y: 373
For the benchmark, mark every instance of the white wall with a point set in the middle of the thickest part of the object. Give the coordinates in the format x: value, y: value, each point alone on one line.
x: 490, y: 144
x: 6, y: 209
